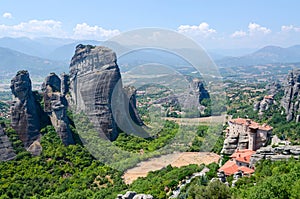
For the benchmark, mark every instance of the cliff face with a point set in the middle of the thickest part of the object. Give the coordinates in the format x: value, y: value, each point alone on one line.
x: 130, y: 93
x: 93, y: 75
x: 6, y: 150
x: 56, y: 106
x: 199, y: 89
x: 290, y: 100
x: 25, y: 110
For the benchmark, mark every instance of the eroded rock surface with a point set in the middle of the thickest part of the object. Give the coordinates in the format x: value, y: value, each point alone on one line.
x: 6, y: 149
x: 94, y: 73
x: 56, y: 106
x: 134, y: 195
x: 275, y: 153
x: 290, y: 100
x: 25, y: 110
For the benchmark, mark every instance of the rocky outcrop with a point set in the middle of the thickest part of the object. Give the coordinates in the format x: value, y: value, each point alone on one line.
x: 276, y: 153
x: 94, y: 73
x: 6, y: 149
x: 55, y: 105
x: 273, y: 88
x: 263, y: 105
x: 200, y: 91
x: 290, y: 100
x: 25, y: 109
x: 134, y: 195
x: 130, y: 92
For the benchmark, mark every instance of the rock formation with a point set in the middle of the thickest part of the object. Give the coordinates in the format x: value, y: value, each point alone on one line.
x: 130, y: 92
x: 25, y: 110
x: 201, y: 92
x: 263, y: 105
x: 56, y: 106
x: 6, y: 149
x: 94, y: 73
x: 133, y: 195
x: 273, y: 88
x: 276, y: 153
x: 290, y: 100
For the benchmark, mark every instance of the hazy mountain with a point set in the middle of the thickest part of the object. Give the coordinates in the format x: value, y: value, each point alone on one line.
x: 65, y: 52
x: 11, y: 61
x: 40, y: 47
x: 266, y: 55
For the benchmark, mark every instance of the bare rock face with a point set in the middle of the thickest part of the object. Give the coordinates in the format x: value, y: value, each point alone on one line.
x: 273, y: 88
x: 25, y: 110
x: 56, y: 107
x: 6, y: 149
x: 290, y: 100
x: 134, y: 195
x: 94, y: 73
x: 264, y: 104
x: 201, y: 92
x: 276, y: 153
x: 130, y: 92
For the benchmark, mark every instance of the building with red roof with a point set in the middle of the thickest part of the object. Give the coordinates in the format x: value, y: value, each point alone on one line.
x: 240, y: 161
x: 245, y: 134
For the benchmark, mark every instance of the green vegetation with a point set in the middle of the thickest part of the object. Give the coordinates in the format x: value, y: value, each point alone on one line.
x: 60, y: 172
x: 160, y: 183
x: 271, y: 180
x: 135, y: 144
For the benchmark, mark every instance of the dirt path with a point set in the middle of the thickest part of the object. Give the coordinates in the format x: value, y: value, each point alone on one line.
x: 201, y: 120
x: 176, y: 160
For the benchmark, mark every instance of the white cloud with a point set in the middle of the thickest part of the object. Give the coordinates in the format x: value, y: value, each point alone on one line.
x: 239, y: 33
x: 33, y: 28
x: 85, y: 31
x: 7, y: 15
x: 290, y: 28
x: 201, y: 29
x: 254, y: 28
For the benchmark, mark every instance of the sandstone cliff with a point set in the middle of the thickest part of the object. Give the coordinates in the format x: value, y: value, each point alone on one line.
x: 56, y: 106
x: 96, y: 89
x: 93, y: 75
x: 25, y: 110
x: 6, y: 150
x: 290, y: 100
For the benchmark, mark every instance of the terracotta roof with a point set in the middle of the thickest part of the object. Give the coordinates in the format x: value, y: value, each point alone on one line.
x: 251, y: 124
x: 246, y: 170
x: 229, y: 168
x: 242, y: 155
x: 269, y: 97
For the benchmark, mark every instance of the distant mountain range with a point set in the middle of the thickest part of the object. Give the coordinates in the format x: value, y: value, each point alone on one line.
x: 43, y: 55
x: 266, y: 55
x: 11, y: 61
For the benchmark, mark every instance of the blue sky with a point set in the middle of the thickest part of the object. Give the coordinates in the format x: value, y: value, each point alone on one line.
x: 214, y: 24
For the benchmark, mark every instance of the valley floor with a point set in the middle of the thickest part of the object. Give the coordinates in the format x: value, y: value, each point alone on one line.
x: 175, y: 160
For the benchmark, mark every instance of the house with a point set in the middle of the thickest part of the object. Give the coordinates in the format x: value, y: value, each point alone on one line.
x: 245, y: 134
x: 239, y: 162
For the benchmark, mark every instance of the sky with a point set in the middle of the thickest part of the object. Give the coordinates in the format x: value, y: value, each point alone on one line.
x: 215, y: 24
